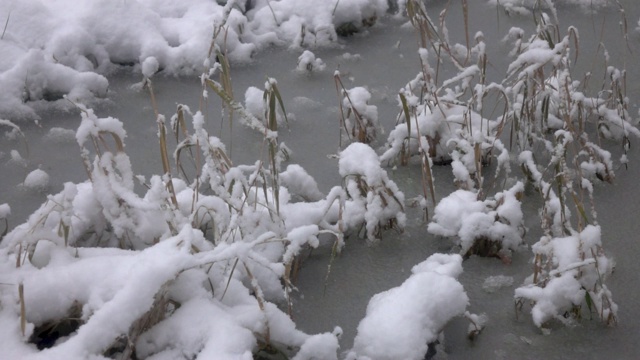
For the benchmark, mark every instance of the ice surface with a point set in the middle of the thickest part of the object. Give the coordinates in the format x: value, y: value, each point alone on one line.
x: 495, y: 283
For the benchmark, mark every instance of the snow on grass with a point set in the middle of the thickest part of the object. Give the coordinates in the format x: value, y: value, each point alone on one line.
x: 299, y: 182
x: 17, y: 159
x: 579, y: 269
x: 375, y: 199
x: 525, y: 7
x: 468, y: 220
x: 361, y: 118
x: 223, y: 250
x: 308, y: 62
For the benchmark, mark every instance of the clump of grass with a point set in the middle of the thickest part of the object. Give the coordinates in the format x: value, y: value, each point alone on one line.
x: 6, y: 24
x: 544, y: 108
x: 360, y: 120
x: 555, y: 114
x: 23, y: 310
x: 376, y: 198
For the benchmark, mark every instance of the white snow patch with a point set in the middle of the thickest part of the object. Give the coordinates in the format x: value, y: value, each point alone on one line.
x: 37, y: 180
x: 5, y: 211
x: 308, y: 62
x: 60, y: 135
x: 401, y: 322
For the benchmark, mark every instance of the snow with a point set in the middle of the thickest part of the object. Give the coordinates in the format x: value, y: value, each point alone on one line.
x: 383, y: 202
x: 525, y: 7
x: 462, y: 215
x: 5, y: 211
x: 68, y: 47
x: 17, y: 159
x: 299, y: 182
x: 98, y: 243
x: 36, y: 180
x: 402, y: 321
x: 308, y: 62
x: 321, y: 346
x: 61, y: 135
x: 253, y: 101
x: 150, y: 66
x: 579, y: 269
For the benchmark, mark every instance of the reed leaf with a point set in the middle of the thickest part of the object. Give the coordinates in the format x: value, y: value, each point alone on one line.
x: 23, y: 311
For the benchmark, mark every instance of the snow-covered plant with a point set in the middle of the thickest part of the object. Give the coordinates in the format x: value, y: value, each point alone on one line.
x: 263, y: 104
x: 570, y: 266
x: 546, y: 109
x: 14, y: 132
x: 308, y: 62
x: 227, y: 237
x: 376, y: 201
x: 526, y: 7
x: 571, y: 274
x: 218, y: 245
x: 358, y: 118
x: 407, y: 321
x: 448, y: 115
x: 490, y: 227
x: 444, y: 125
x: 551, y: 111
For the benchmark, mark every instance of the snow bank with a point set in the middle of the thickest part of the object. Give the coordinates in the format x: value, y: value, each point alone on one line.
x: 52, y: 49
x: 401, y: 322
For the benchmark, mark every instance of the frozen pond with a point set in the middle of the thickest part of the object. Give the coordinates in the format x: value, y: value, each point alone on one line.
x: 383, y: 59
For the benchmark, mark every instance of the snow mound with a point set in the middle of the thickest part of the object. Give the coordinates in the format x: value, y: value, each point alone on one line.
x: 308, y: 62
x: 5, y: 211
x: 60, y: 135
x: 470, y: 220
x: 37, y: 180
x: 401, y: 322
x: 64, y: 48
